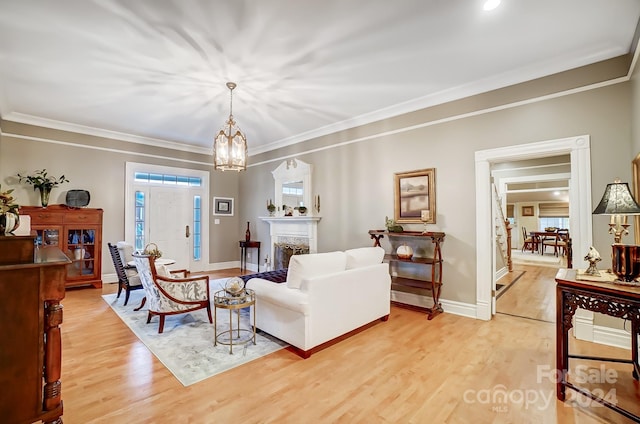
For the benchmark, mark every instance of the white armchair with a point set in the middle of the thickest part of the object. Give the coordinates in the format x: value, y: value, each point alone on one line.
x: 170, y: 296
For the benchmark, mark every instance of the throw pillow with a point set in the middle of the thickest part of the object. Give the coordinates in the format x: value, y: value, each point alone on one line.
x: 313, y: 265
x: 126, y: 252
x: 364, y: 256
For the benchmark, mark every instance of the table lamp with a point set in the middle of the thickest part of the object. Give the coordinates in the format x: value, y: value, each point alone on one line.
x: 618, y: 202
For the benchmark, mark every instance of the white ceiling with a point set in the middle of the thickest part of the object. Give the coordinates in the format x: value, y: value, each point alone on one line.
x: 155, y: 70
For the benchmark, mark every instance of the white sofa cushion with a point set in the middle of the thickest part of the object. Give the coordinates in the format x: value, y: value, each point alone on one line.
x: 364, y: 256
x: 313, y: 265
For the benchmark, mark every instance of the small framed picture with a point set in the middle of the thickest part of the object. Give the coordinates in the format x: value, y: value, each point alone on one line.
x: 223, y: 206
x: 527, y: 211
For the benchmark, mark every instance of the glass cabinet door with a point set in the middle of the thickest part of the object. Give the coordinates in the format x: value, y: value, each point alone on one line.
x: 48, y: 236
x: 81, y: 251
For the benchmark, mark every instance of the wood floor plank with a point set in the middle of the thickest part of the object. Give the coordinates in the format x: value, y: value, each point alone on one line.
x: 405, y: 370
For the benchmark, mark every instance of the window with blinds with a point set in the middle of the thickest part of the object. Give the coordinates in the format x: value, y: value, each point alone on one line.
x: 553, y: 210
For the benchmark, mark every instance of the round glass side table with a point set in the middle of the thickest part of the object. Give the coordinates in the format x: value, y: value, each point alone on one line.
x: 234, y: 336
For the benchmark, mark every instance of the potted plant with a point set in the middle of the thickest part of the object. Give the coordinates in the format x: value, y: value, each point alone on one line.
x: 9, y: 215
x: 45, y: 183
x: 271, y: 207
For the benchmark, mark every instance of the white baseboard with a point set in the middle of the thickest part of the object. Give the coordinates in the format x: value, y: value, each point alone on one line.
x: 583, y: 329
x: 501, y: 273
x: 615, y: 337
x: 109, y: 278
x: 449, y: 306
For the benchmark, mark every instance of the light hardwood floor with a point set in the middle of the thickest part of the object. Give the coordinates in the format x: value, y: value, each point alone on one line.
x: 405, y: 370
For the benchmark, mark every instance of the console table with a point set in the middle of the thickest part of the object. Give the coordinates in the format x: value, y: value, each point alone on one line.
x: 606, y: 298
x: 429, y: 268
x: 244, y: 245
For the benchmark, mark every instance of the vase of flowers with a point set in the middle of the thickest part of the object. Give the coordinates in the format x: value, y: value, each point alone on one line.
x: 43, y: 182
x: 9, y: 216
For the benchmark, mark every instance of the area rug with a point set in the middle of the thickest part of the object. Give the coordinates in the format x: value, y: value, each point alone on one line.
x: 186, y: 345
x: 528, y: 258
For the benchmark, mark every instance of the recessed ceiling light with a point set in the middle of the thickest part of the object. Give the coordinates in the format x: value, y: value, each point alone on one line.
x: 491, y: 4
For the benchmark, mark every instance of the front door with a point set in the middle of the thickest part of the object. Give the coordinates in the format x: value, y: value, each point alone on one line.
x: 170, y: 224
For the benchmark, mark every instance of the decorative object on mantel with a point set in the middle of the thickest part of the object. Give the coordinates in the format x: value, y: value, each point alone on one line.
x: 415, y: 191
x: 271, y: 208
x: 593, y: 257
x: 404, y: 252
x: 230, y: 145
x: 151, y: 249
x: 391, y: 225
x: 302, y: 210
x: 9, y: 214
x: 317, y: 203
x: 288, y: 210
x: 45, y: 183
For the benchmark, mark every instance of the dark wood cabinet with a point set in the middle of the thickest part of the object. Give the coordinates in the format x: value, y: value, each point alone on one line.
x: 30, y: 316
x: 78, y: 233
x: 422, y: 273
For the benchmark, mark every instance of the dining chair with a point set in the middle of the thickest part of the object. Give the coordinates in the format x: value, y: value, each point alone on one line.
x: 527, y: 243
x: 558, y: 242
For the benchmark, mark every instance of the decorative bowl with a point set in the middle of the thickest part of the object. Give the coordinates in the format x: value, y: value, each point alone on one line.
x: 234, y: 286
x: 404, y: 252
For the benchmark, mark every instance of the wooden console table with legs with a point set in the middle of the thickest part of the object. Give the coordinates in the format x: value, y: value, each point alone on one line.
x: 421, y: 275
x: 31, y: 288
x: 244, y: 246
x: 606, y: 298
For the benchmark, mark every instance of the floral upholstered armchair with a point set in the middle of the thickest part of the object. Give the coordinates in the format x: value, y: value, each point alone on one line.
x: 170, y: 296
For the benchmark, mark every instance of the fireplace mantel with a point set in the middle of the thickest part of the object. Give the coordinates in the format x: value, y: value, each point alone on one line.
x: 302, y: 227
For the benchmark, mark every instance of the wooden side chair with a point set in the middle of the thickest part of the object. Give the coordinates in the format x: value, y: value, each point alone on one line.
x: 527, y: 243
x: 128, y: 279
x: 559, y: 242
x: 168, y: 295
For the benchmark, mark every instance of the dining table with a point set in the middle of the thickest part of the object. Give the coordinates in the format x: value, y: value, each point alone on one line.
x: 538, y: 237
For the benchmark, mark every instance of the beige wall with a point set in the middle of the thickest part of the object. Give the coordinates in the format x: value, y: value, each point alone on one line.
x: 98, y: 165
x: 355, y: 181
x: 355, y: 178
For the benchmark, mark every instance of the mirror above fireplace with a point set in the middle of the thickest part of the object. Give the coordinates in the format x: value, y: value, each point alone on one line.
x: 293, y: 184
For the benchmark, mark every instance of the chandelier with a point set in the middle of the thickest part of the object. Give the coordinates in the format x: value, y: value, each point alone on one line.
x: 230, y: 145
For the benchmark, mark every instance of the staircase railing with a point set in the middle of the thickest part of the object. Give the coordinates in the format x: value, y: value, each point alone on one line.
x: 503, y: 230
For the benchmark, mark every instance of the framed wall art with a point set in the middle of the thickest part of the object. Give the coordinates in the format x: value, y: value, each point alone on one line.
x: 415, y: 192
x: 223, y: 206
x: 527, y: 211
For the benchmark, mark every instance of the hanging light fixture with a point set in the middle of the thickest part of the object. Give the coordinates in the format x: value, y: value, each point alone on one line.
x: 230, y: 145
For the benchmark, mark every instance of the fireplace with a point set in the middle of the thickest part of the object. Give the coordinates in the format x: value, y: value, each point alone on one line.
x: 291, y: 235
x: 283, y: 251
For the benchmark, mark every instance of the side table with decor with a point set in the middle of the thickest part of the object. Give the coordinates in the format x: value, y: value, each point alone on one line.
x: 233, y: 298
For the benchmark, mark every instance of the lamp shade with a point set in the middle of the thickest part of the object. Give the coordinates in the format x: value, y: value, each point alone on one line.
x: 617, y: 200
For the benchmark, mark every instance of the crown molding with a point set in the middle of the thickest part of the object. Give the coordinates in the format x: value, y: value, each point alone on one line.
x: 22, y: 118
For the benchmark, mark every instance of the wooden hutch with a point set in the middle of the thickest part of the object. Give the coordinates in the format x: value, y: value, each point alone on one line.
x: 78, y: 233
